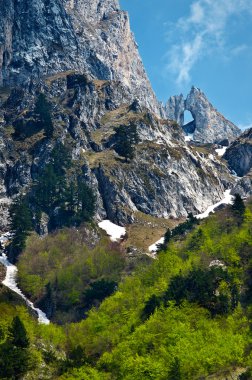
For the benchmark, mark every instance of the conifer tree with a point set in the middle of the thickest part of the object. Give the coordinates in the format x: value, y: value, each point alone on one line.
x: 17, y: 333
x: 21, y: 225
x: 126, y: 137
x: 239, y: 208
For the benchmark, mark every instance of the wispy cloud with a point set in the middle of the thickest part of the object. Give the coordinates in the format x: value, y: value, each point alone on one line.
x: 202, y: 33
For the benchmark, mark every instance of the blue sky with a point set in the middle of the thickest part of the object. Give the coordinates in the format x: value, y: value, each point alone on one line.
x: 206, y: 43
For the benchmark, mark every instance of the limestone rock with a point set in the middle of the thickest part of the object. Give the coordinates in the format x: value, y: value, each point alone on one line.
x: 209, y: 126
x: 44, y: 37
x: 239, y: 154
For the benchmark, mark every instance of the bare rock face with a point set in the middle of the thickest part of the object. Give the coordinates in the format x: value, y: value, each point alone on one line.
x: 209, y: 126
x: 44, y: 37
x: 239, y: 154
x: 175, y: 108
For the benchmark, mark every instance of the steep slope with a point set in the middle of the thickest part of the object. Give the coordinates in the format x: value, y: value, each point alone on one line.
x: 209, y: 125
x: 38, y: 38
x: 239, y: 154
x: 165, y: 178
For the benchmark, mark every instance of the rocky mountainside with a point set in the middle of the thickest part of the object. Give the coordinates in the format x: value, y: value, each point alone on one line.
x: 40, y: 38
x: 208, y: 125
x: 239, y: 158
x: 239, y: 154
x: 82, y: 57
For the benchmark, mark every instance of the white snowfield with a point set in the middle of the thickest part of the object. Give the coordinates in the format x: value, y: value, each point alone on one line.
x: 221, y: 151
x: 227, y: 200
x: 10, y: 282
x: 113, y: 230
x: 154, y: 247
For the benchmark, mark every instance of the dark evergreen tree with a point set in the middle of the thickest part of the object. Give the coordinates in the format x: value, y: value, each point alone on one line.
x: 43, y: 110
x: 150, y: 306
x: 17, y: 334
x: 126, y: 137
x: 21, y: 225
x: 167, y: 238
x: 239, y: 208
x: 15, y: 362
x: 98, y: 291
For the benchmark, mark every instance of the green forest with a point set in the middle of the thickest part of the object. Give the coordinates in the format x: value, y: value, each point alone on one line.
x: 185, y: 315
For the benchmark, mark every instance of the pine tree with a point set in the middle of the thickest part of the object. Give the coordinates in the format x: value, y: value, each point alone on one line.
x: 17, y: 334
x: 239, y: 208
x: 21, y: 225
x: 126, y: 137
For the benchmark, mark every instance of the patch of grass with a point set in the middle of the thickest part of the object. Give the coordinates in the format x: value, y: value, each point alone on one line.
x: 147, y: 229
x: 62, y: 75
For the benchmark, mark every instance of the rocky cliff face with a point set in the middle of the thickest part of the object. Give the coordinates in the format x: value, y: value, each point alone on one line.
x: 209, y: 125
x: 165, y: 179
x: 39, y: 38
x: 82, y: 56
x: 239, y: 154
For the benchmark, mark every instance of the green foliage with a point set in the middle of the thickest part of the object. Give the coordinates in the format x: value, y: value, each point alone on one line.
x: 43, y: 110
x: 175, y: 373
x: 21, y: 225
x: 239, y: 208
x: 15, y: 358
x: 67, y: 202
x: 126, y: 137
x: 17, y: 334
x: 99, y: 290
x: 211, y: 288
x: 69, y: 275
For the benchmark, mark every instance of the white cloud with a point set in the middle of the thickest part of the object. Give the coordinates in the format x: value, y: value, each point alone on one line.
x: 203, y: 32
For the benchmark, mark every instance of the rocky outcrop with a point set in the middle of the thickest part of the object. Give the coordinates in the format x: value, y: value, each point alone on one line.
x: 239, y: 154
x: 166, y: 178
x: 175, y: 108
x: 209, y: 126
x: 45, y: 37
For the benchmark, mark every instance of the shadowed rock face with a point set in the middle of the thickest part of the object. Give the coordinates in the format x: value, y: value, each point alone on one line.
x: 209, y: 125
x: 44, y: 37
x: 239, y: 154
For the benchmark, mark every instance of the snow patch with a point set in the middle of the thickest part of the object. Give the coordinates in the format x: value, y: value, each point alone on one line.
x: 154, y: 247
x: 211, y: 157
x: 113, y: 230
x: 228, y: 199
x: 221, y: 151
x: 189, y: 137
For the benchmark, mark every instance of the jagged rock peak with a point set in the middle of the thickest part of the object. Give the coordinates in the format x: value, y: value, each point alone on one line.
x: 175, y: 108
x: 209, y: 126
x: 44, y: 37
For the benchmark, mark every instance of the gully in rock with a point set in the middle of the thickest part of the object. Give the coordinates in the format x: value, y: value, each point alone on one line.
x: 10, y: 281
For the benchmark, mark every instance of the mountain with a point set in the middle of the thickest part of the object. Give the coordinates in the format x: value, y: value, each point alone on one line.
x: 41, y: 38
x: 208, y: 125
x: 82, y: 56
